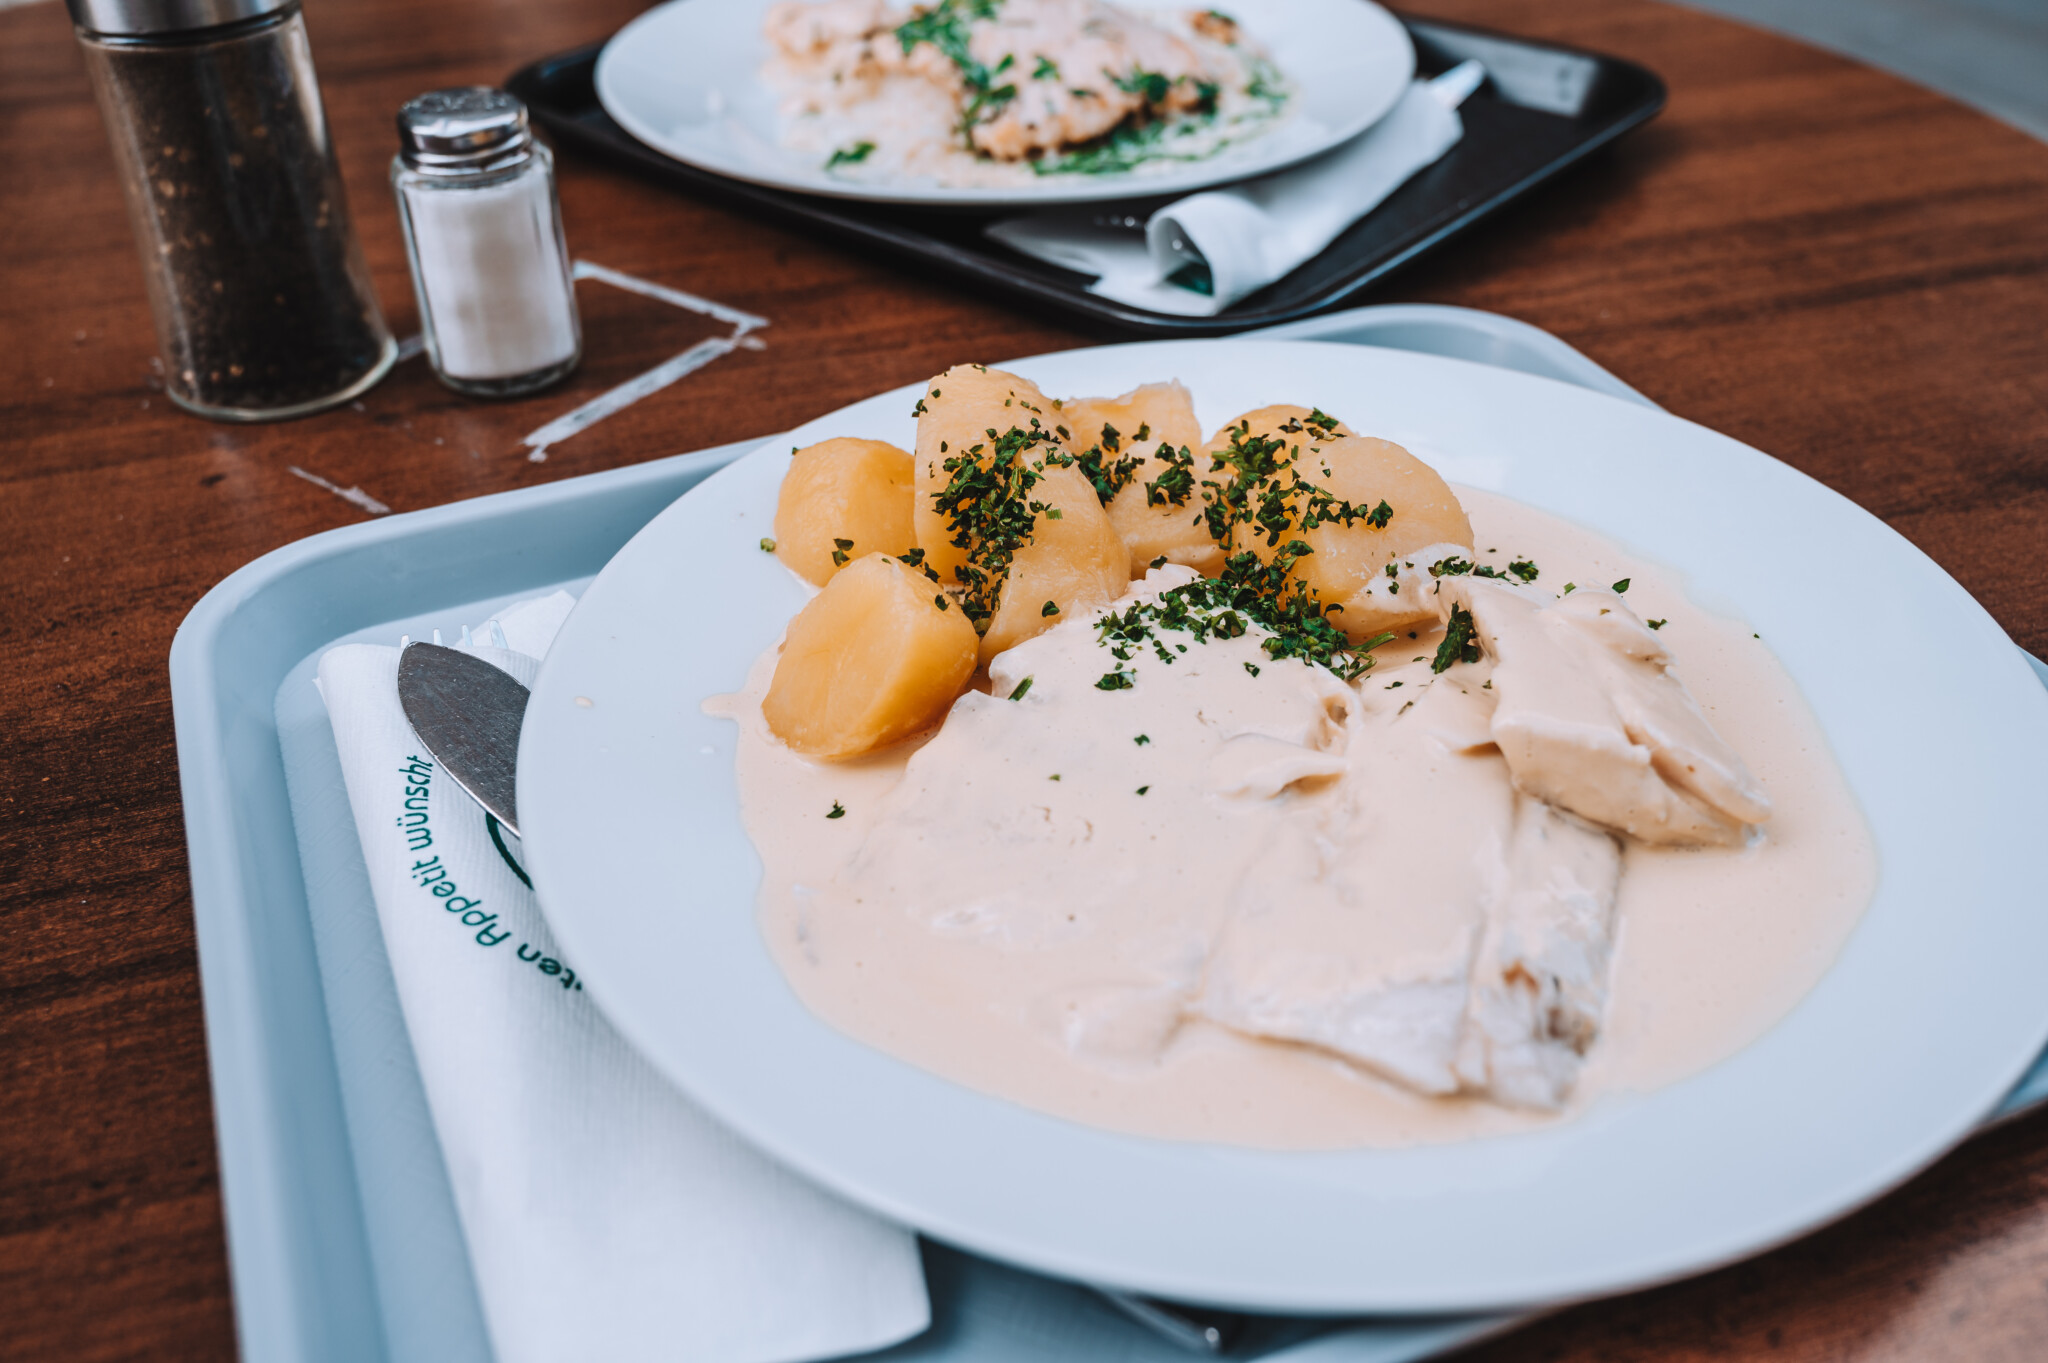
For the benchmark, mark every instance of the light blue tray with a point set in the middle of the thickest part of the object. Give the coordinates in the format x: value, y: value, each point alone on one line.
x: 341, y: 1232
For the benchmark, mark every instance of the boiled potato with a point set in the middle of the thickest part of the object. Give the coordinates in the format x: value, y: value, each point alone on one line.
x: 1349, y: 562
x: 1160, y: 411
x: 1075, y: 561
x: 1281, y: 422
x: 1144, y: 419
x: 872, y: 659
x: 960, y: 408
x: 843, y: 490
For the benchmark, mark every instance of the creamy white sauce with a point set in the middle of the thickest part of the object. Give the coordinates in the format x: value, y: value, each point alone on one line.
x: 1074, y: 959
x: 868, y: 111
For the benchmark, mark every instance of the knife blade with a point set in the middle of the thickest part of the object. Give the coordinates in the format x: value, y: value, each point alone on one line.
x: 468, y: 714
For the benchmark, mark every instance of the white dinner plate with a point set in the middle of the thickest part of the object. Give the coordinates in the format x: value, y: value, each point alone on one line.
x: 1935, y: 1007
x: 684, y: 79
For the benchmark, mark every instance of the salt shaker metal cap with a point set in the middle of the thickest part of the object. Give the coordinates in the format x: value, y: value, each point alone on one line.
x: 483, y: 233
x: 469, y: 131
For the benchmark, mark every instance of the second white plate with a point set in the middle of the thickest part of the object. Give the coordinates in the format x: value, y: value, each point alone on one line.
x: 634, y: 838
x: 684, y: 78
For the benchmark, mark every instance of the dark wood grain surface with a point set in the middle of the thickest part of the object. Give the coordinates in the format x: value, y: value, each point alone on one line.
x: 1821, y: 260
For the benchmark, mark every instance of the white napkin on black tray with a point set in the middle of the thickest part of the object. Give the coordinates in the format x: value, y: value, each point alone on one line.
x: 606, y: 1217
x: 1198, y: 255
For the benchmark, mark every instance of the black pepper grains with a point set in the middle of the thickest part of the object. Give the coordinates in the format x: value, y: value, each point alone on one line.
x: 263, y: 303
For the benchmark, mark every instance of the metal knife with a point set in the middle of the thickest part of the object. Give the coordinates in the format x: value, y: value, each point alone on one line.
x: 468, y: 715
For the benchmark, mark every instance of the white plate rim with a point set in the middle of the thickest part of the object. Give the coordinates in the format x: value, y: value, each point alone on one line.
x: 1384, y: 88
x: 1925, y: 1102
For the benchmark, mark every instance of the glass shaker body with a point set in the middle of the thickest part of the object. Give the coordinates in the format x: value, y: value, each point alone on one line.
x: 263, y: 303
x: 490, y: 267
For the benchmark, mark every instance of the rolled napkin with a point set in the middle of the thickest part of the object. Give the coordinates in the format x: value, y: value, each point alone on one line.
x: 1200, y: 254
x: 606, y: 1217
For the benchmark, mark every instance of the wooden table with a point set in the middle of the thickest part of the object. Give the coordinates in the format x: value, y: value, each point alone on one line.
x: 1823, y: 261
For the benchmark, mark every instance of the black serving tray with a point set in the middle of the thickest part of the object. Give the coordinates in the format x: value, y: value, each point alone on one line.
x: 1542, y: 109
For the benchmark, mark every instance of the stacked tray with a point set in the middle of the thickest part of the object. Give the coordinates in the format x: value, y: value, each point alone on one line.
x: 1543, y: 109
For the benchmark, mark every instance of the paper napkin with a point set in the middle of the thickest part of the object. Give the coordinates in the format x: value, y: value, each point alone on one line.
x: 606, y: 1217
x: 1239, y: 239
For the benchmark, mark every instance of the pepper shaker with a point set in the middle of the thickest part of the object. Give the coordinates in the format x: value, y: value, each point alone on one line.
x: 483, y: 232
x: 263, y: 304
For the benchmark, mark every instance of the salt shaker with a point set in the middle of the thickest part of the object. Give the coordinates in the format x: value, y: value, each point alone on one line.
x: 263, y: 304
x: 484, y: 234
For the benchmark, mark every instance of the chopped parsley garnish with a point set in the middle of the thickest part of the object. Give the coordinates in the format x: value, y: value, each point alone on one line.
x: 1054, y: 777
x: 838, y: 811
x: 1461, y: 642
x: 1569, y: 588
x: 1150, y: 86
x: 1159, y: 562
x: 850, y: 156
x: 1458, y: 567
x: 1022, y: 687
x: 1265, y: 491
x: 1141, y: 740
x: 989, y: 511
x: 767, y: 545
x: 1107, y: 475
x: 945, y: 27
x: 1253, y: 488
x: 1621, y: 586
x: 1154, y: 134
x: 1175, y: 486
x: 1523, y: 569
x: 1248, y: 593
x: 1253, y: 485
x: 1143, y: 789
x: 1267, y: 84
x: 839, y: 554
x: 1047, y: 69
x: 1657, y: 624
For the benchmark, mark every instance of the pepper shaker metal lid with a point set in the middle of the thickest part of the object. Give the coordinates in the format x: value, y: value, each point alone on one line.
x: 125, y: 18
x: 468, y: 131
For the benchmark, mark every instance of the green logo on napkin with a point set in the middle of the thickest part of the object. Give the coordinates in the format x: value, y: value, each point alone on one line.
x: 432, y: 876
